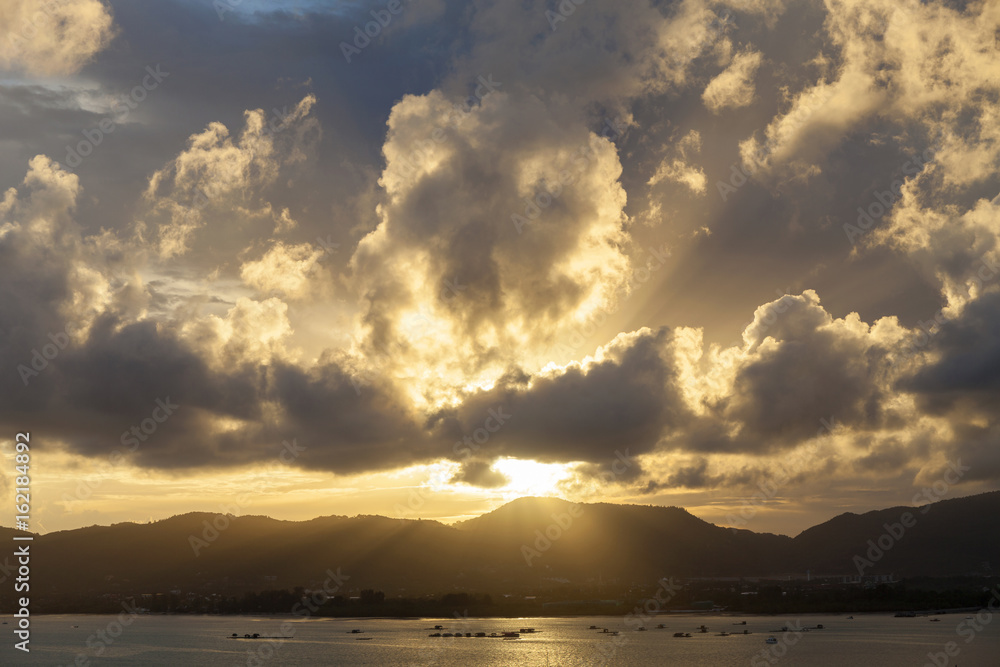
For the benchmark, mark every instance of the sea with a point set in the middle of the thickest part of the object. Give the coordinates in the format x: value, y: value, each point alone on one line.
x: 869, y: 640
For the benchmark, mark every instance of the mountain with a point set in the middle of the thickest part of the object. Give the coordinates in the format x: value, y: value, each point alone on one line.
x: 525, y: 545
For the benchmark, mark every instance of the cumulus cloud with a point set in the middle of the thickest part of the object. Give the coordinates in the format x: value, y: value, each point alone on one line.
x: 219, y: 179
x: 53, y: 38
x: 502, y: 229
x: 283, y: 269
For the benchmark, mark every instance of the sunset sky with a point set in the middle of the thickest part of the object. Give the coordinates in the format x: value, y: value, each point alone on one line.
x: 420, y: 258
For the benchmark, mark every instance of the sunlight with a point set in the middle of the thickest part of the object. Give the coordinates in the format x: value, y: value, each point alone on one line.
x: 531, y: 478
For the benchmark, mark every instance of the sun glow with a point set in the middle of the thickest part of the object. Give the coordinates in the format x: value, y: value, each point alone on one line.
x: 531, y: 478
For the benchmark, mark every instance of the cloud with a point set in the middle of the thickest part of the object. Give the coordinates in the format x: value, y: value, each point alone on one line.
x: 481, y: 474
x: 216, y: 178
x: 53, y: 38
x: 733, y: 88
x: 678, y: 170
x: 283, y: 269
x: 502, y: 229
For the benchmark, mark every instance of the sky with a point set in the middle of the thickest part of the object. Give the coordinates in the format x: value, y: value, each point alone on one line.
x: 419, y: 258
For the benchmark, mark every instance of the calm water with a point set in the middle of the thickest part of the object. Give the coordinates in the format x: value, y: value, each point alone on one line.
x: 869, y: 640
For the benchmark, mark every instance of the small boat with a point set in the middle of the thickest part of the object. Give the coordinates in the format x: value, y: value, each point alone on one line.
x: 480, y: 634
x: 527, y: 630
x: 722, y: 634
x: 935, y: 620
x: 819, y: 626
x: 593, y: 627
x: 682, y: 634
x: 703, y: 628
x: 436, y: 634
x: 740, y: 623
x: 363, y: 639
x: 641, y: 629
x: 747, y: 632
x: 447, y: 634
x: 509, y: 638
x: 850, y: 618
x: 356, y: 632
x: 770, y: 640
x: 510, y: 635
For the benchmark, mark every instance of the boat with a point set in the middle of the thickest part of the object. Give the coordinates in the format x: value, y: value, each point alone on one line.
x: 770, y: 640
x: 850, y: 618
x: 356, y: 632
x: 363, y: 639
x: 819, y: 626
x: 510, y: 635
x: 703, y: 628
x: 641, y: 628
x: 682, y: 634
x: 439, y: 627
x: 722, y: 634
x: 480, y: 634
x: 740, y: 623
x: 436, y: 634
x: 593, y: 627
x: 935, y: 620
